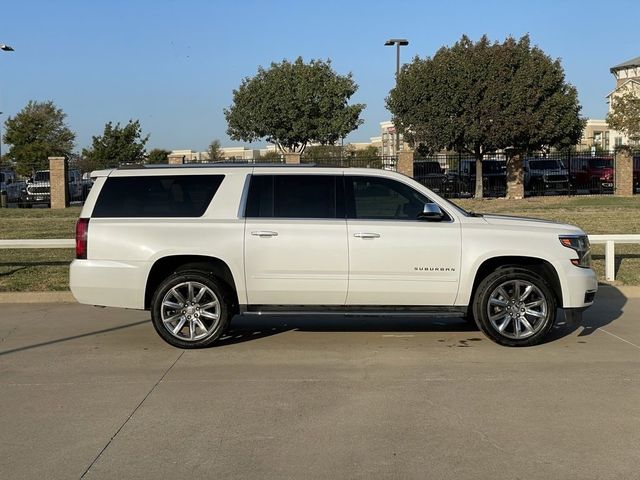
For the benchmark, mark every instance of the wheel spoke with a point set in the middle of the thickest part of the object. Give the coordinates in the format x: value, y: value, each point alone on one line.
x: 190, y: 291
x: 534, y: 313
x: 192, y: 329
x: 200, y: 324
x: 209, y: 305
x: 200, y: 294
x: 528, y: 289
x: 535, y: 303
x: 170, y: 304
x: 177, y: 295
x: 497, y: 302
x: 504, y: 324
x: 527, y: 326
x: 516, y: 290
x: 172, y: 318
x: 179, y: 326
x: 497, y: 315
x: 503, y: 293
x: 209, y: 315
x: 516, y: 327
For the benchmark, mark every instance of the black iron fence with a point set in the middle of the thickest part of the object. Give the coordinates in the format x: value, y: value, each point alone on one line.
x: 455, y: 175
x: 557, y: 173
x: 353, y: 161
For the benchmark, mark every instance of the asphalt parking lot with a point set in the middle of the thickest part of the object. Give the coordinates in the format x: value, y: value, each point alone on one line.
x: 94, y: 392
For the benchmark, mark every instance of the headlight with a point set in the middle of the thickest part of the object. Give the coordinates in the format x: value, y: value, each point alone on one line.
x: 579, y: 243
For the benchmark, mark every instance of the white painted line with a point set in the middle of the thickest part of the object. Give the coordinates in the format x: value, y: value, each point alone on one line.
x: 397, y: 336
x: 619, y: 338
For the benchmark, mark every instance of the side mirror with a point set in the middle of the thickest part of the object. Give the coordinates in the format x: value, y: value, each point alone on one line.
x: 431, y: 213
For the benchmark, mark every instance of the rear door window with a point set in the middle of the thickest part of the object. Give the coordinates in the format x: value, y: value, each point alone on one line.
x: 156, y: 196
x: 295, y: 196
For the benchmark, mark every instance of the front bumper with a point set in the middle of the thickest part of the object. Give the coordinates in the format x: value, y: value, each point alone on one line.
x: 579, y: 287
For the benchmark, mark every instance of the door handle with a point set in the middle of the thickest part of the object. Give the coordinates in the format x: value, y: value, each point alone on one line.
x: 366, y: 235
x: 264, y: 233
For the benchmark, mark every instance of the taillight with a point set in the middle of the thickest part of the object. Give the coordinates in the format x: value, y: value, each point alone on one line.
x: 82, y: 234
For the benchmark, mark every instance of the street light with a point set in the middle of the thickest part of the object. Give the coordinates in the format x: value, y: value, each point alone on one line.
x: 4, y: 48
x: 398, y: 42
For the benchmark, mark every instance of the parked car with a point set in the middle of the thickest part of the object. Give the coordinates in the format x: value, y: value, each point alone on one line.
x: 494, y: 177
x: 593, y: 174
x: 430, y: 174
x: 196, y: 245
x: 545, y: 175
x: 38, y: 188
x: 10, y: 184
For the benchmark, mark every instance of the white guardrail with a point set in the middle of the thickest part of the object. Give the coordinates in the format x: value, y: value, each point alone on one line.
x: 609, y: 242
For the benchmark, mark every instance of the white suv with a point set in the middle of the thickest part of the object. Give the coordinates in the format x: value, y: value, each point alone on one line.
x: 198, y: 244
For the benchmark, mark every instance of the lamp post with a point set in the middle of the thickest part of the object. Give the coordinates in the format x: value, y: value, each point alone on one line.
x: 4, y: 48
x: 398, y: 42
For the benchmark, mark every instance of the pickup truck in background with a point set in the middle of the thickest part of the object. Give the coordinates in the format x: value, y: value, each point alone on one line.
x: 38, y: 188
x: 545, y: 175
x: 10, y: 184
x: 594, y: 174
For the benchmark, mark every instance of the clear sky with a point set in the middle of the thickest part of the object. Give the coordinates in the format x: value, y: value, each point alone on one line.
x: 174, y: 64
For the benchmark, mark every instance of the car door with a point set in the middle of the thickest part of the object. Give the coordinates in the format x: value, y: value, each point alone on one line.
x: 296, y: 240
x: 395, y: 258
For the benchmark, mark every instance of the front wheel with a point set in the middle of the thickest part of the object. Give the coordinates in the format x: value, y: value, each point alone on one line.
x: 190, y: 310
x: 515, y: 307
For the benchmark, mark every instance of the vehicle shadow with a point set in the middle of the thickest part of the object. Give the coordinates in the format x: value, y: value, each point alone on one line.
x: 606, y: 309
x: 244, y: 328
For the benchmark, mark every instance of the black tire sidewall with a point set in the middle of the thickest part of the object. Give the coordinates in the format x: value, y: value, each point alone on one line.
x: 186, y: 276
x: 498, y: 277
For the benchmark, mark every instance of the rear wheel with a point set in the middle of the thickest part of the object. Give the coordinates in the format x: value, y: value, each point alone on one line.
x: 515, y: 307
x: 190, y: 309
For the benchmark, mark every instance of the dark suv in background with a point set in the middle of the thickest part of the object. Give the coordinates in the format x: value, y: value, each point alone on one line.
x: 545, y: 175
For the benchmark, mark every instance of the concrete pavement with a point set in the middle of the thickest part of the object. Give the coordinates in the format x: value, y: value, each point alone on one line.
x: 94, y: 392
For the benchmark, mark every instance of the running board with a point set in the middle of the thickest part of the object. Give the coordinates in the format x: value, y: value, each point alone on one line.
x: 354, y: 310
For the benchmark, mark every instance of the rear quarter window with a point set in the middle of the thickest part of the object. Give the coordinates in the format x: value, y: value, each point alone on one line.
x: 156, y: 196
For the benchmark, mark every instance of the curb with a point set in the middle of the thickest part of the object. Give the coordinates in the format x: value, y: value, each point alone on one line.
x: 67, y: 297
x: 37, y: 297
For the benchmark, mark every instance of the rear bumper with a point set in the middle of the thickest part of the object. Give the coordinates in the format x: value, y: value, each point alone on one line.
x: 108, y: 283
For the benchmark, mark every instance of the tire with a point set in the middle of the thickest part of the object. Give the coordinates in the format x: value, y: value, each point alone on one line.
x: 509, y: 312
x: 191, y: 317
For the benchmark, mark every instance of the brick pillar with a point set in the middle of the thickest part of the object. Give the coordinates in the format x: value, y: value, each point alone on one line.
x: 515, y: 177
x: 292, y: 158
x: 624, y: 173
x: 59, y: 181
x: 405, y: 163
x: 176, y: 159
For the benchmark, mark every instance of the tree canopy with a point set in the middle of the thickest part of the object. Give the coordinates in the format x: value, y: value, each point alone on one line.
x: 478, y: 97
x: 625, y: 115
x: 37, y: 132
x: 158, y: 155
x: 117, y: 145
x: 215, y: 151
x: 292, y: 104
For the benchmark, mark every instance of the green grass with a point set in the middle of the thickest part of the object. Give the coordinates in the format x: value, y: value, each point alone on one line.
x: 41, y: 270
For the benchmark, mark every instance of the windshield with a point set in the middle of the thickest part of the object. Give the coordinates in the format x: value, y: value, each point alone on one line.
x: 41, y: 176
x: 546, y: 165
x: 600, y: 162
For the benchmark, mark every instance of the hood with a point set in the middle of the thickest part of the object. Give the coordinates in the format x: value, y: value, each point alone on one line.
x: 534, y: 223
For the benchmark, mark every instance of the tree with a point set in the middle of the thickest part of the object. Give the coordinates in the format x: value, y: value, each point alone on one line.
x: 215, y: 151
x: 294, y: 104
x: 625, y: 115
x: 37, y: 132
x: 158, y: 155
x: 117, y: 145
x: 480, y: 97
x: 322, y: 152
x: 367, y: 152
